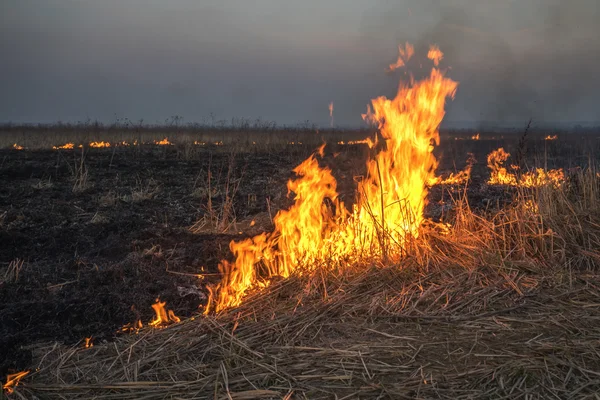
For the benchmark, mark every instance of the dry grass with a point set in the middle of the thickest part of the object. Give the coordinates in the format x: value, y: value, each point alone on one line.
x: 502, y: 305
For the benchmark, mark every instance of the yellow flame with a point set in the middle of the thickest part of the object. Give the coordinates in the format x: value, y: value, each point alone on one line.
x: 162, y: 317
x: 475, y: 136
x: 164, y: 142
x: 388, y: 210
x: 12, y: 380
x: 17, y: 147
x: 88, y: 342
x: 404, y: 54
x: 499, y: 175
x: 99, y: 144
x: 435, y: 54
x: 553, y: 137
x: 66, y: 146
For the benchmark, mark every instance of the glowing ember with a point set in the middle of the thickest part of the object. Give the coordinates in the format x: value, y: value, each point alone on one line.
x: 553, y: 137
x: 501, y: 176
x: 350, y: 142
x: 404, y: 54
x: 164, y: 142
x: 475, y: 136
x: 99, y: 144
x: 389, y: 206
x: 12, y: 380
x: 66, y: 146
x: 17, y: 147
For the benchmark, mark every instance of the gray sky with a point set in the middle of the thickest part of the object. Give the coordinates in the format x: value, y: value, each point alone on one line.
x: 286, y: 60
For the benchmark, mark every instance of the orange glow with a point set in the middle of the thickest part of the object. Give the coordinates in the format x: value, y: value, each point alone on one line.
x: 17, y: 147
x: 12, y: 380
x: 404, y: 54
x: 553, y: 137
x: 99, y: 144
x: 475, y: 136
x: 435, y: 54
x: 88, y: 342
x: 331, y: 113
x: 538, y: 177
x: 389, y: 207
x: 164, y: 142
x: 349, y: 142
x: 66, y: 146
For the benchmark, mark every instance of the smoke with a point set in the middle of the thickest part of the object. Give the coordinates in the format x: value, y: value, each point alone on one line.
x: 514, y: 60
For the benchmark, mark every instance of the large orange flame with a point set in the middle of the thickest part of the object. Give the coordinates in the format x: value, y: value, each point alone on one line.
x: 389, y: 206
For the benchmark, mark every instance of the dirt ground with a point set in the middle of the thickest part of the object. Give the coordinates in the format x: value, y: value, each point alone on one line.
x: 96, y: 256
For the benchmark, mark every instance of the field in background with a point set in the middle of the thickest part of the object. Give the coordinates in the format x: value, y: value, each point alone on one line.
x: 91, y: 237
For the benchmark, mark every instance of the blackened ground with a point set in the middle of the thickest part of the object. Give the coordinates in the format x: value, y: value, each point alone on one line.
x: 97, y: 257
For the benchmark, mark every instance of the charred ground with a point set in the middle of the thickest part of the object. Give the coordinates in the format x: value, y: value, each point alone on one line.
x: 97, y: 255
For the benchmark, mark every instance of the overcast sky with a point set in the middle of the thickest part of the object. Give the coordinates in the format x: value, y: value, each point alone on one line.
x: 285, y: 60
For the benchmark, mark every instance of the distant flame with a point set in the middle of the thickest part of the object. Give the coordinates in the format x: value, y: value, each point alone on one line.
x: 17, y: 147
x: 99, y: 144
x: 553, y: 137
x: 404, y: 54
x: 66, y: 146
x: 164, y: 142
x: 435, y: 54
x: 475, y: 136
x: 499, y: 175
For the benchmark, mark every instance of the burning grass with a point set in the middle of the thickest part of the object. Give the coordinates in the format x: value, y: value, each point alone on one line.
x: 499, y: 304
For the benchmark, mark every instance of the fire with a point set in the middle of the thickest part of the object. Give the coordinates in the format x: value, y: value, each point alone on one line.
x: 538, y: 177
x: 66, y: 146
x: 17, y: 147
x: 460, y: 178
x: 99, y: 144
x: 475, y: 136
x: 349, y: 142
x: 404, y: 54
x: 435, y: 54
x: 164, y: 142
x: 390, y: 199
x: 553, y: 137
x: 88, y: 342
x: 163, y: 317
x: 12, y: 380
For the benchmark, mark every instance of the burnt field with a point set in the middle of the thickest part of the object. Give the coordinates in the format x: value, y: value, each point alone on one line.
x: 92, y: 237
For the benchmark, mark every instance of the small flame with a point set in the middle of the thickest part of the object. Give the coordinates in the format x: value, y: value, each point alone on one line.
x: 553, y: 137
x: 404, y: 54
x: 350, y: 142
x: 66, y: 146
x: 460, y: 178
x: 435, y: 54
x: 99, y: 144
x: 12, y: 380
x: 164, y: 142
x: 475, y: 136
x: 88, y: 342
x: 163, y: 317
x: 17, y: 147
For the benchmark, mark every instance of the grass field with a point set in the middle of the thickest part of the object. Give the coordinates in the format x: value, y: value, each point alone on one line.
x: 504, y: 304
